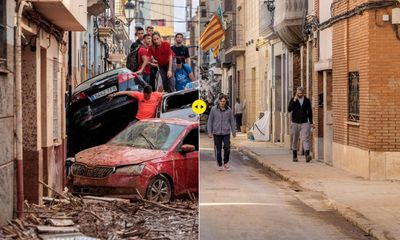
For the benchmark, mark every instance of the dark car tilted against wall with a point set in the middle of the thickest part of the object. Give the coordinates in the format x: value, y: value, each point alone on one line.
x: 93, y: 119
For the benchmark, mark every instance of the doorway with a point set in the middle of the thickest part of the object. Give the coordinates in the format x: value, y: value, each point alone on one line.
x: 328, y: 117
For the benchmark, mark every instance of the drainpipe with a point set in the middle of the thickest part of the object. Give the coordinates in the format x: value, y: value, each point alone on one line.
x: 18, y: 108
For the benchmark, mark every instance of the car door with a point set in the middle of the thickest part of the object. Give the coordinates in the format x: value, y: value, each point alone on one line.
x: 188, y: 169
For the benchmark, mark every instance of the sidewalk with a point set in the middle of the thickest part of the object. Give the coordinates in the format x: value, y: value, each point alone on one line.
x: 374, y: 206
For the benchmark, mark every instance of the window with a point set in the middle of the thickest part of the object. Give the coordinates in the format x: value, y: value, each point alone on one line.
x: 203, y: 13
x: 3, y: 32
x: 354, y: 97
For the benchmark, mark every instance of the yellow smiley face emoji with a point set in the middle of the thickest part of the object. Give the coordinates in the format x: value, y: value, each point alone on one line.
x: 199, y: 106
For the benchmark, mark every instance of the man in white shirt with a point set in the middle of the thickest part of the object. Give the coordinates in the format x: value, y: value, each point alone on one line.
x: 238, y: 114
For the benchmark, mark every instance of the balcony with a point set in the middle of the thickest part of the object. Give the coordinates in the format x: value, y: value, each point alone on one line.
x: 97, y: 7
x: 234, y: 41
x: 116, y: 53
x: 105, y: 34
x: 68, y: 15
x: 289, y: 16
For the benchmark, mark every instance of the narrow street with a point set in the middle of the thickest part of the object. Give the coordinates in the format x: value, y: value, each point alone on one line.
x: 249, y: 203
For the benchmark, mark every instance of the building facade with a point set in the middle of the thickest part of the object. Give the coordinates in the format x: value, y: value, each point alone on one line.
x: 34, y: 74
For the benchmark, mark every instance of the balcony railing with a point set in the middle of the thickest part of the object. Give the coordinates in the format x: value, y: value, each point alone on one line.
x: 234, y: 40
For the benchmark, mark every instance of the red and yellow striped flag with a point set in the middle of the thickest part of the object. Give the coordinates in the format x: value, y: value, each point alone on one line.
x: 216, y: 51
x: 212, y: 35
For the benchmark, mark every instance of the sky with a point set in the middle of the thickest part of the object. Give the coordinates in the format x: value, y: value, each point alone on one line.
x: 179, y: 14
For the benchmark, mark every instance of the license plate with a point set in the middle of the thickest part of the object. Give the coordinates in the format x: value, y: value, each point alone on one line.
x: 103, y: 93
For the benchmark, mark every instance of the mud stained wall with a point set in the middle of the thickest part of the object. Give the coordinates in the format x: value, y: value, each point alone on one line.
x: 31, y: 126
x: 6, y: 154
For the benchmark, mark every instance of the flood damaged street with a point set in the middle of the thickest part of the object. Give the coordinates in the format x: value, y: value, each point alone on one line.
x: 250, y: 203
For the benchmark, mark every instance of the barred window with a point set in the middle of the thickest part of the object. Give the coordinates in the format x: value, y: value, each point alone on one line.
x: 354, y: 97
x: 3, y: 32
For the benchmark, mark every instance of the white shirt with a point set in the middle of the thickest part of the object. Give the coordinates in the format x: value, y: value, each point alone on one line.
x: 238, y: 108
x: 301, y: 100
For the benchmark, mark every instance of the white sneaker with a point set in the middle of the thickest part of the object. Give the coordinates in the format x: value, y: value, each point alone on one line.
x: 220, y: 168
x: 227, y: 167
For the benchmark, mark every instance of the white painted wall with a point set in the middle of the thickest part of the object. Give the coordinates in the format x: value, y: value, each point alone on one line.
x: 325, y: 50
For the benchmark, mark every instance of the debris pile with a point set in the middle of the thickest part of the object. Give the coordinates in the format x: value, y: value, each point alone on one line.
x: 90, y: 217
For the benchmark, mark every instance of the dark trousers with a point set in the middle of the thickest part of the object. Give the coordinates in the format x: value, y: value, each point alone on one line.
x: 218, y: 140
x: 168, y: 83
x: 238, y: 121
x: 153, y: 75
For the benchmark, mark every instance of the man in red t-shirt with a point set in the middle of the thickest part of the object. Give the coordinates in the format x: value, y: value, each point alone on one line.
x: 148, y: 101
x: 162, y: 52
x: 143, y: 59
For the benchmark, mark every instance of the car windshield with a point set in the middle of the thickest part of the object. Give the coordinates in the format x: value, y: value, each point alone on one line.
x: 151, y: 135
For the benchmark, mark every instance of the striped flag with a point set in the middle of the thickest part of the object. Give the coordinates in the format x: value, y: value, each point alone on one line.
x: 212, y: 35
x: 216, y: 51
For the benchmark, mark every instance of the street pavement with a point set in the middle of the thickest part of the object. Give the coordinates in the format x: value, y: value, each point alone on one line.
x: 371, y: 205
x: 250, y: 203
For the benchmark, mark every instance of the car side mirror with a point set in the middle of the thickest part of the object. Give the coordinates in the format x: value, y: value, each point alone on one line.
x: 187, y: 148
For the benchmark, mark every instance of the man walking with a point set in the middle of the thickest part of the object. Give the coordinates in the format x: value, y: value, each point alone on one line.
x: 148, y: 101
x: 180, y: 50
x: 162, y: 52
x: 238, y: 114
x: 302, y: 120
x: 221, y: 124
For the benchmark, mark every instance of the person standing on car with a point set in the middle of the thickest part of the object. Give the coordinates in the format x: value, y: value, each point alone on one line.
x: 238, y: 114
x: 302, y: 121
x: 221, y: 124
x: 180, y: 50
x: 153, y: 66
x: 144, y: 68
x: 132, y: 60
x: 162, y: 52
x: 148, y: 101
x: 183, y: 75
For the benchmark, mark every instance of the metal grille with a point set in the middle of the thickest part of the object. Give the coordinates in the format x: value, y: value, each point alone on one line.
x: 354, y: 97
x: 94, y: 172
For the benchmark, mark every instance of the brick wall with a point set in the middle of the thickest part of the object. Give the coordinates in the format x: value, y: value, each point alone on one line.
x: 360, y: 45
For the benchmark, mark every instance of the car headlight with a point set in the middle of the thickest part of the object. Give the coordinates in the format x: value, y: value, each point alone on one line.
x: 130, y: 170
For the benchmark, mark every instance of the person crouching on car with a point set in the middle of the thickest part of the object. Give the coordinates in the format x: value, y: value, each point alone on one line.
x: 183, y: 75
x: 148, y: 101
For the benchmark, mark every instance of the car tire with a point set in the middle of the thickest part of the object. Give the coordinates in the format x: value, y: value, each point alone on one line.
x: 159, y: 189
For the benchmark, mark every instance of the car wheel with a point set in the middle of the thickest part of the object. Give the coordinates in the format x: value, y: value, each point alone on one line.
x: 159, y: 190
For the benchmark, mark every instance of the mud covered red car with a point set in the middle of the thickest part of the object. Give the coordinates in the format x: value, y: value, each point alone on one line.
x: 157, y: 158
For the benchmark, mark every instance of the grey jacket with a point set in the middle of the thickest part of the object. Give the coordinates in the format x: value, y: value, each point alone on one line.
x: 221, y: 122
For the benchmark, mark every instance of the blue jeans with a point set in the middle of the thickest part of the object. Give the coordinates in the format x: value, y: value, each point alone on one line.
x: 218, y: 140
x: 146, y: 78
